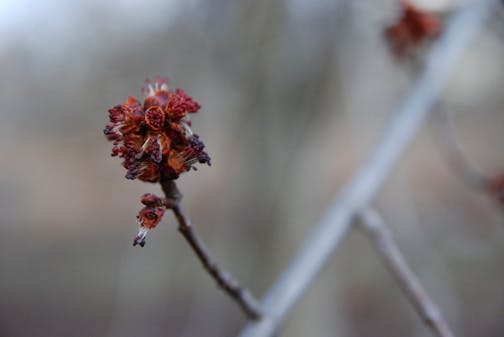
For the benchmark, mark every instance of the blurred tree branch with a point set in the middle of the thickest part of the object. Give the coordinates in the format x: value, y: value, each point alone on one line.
x: 470, y: 174
x: 381, y: 236
x: 359, y: 192
x: 452, y: 150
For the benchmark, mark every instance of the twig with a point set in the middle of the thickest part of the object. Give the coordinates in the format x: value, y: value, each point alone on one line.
x: 365, y: 184
x: 451, y: 148
x: 381, y: 236
x: 224, y: 280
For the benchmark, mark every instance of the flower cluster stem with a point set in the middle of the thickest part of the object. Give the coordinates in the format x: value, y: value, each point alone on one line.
x: 224, y: 280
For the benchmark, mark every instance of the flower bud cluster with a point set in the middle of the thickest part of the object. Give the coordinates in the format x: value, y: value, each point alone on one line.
x: 154, y: 137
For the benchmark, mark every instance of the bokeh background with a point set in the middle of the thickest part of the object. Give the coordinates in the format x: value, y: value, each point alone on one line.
x: 294, y: 94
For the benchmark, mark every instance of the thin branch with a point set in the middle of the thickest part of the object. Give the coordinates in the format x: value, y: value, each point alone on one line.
x: 381, y: 236
x: 223, y: 279
x: 357, y: 194
x: 451, y: 148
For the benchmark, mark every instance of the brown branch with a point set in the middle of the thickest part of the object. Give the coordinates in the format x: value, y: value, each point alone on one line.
x: 381, y: 236
x: 224, y: 280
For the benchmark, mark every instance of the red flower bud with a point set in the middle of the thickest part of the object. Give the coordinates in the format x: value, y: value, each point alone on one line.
x: 155, y: 118
x: 497, y: 188
x: 413, y: 28
x: 149, y: 216
x: 152, y: 200
x: 152, y: 136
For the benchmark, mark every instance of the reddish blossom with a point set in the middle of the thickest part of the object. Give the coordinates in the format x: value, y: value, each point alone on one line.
x: 155, y: 118
x: 179, y: 104
x: 155, y: 141
x: 413, y: 28
x: 149, y: 136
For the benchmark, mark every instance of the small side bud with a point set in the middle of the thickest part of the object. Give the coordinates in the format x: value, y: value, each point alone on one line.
x: 148, y: 217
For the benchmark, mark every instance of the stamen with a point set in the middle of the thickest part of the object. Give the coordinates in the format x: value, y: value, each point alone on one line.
x: 188, y: 132
x: 141, y: 236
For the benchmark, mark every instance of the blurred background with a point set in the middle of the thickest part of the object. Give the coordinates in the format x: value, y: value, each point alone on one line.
x: 294, y: 95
